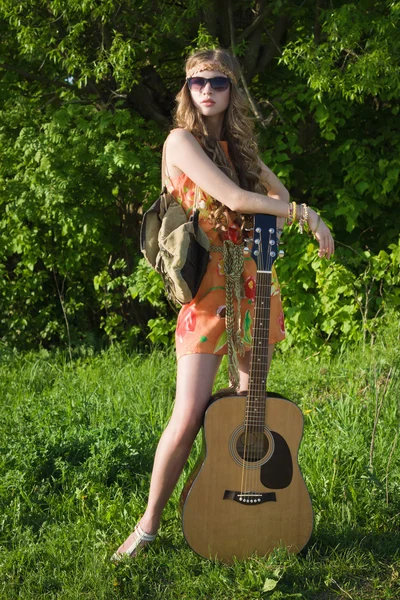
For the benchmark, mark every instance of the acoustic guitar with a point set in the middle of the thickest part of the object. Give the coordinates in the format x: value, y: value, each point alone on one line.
x: 246, y: 494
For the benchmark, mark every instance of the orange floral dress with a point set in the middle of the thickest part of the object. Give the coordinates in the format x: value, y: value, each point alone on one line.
x: 201, y: 323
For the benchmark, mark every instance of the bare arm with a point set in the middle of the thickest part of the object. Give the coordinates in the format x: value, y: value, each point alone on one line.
x: 275, y: 189
x: 184, y: 152
x: 272, y: 184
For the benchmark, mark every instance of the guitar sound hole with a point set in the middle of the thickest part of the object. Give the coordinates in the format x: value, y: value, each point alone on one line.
x: 252, y: 446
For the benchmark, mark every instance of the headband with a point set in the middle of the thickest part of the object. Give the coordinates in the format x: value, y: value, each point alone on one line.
x: 212, y: 66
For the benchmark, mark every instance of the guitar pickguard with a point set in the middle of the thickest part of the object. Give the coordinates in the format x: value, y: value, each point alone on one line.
x: 277, y: 472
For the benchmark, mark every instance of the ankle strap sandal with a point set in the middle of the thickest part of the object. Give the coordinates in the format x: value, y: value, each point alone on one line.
x: 135, y: 542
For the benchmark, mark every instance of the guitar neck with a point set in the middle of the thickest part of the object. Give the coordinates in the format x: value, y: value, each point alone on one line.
x: 255, y: 406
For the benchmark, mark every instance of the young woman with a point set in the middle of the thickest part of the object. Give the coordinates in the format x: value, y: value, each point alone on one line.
x: 214, y: 148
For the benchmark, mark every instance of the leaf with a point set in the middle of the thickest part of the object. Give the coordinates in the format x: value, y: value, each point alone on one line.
x: 361, y: 186
x: 269, y: 584
x: 282, y: 157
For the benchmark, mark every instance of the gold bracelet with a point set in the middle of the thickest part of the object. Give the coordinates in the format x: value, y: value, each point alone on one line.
x: 294, y: 211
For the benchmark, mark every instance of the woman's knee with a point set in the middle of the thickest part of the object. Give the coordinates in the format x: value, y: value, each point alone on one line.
x: 184, y: 429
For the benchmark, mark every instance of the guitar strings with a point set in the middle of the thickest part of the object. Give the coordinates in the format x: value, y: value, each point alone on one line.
x: 262, y: 349
x: 248, y: 415
x: 267, y: 296
x: 254, y: 428
x: 260, y: 295
x: 246, y: 479
x: 256, y: 425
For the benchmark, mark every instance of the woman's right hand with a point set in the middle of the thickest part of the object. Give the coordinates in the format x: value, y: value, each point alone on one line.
x: 321, y: 233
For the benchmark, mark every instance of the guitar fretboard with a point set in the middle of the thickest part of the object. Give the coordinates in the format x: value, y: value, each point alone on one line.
x: 255, y: 406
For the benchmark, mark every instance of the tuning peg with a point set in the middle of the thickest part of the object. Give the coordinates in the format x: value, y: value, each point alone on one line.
x: 281, y: 253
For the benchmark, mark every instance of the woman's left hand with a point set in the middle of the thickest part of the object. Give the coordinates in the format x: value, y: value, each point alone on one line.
x: 322, y: 234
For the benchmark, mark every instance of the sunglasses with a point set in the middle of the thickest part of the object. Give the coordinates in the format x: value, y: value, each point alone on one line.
x: 219, y: 84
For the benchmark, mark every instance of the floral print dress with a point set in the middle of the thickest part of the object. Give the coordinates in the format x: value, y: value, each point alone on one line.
x: 201, y: 323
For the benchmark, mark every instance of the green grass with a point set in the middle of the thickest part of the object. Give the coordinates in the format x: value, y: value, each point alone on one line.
x: 77, y: 444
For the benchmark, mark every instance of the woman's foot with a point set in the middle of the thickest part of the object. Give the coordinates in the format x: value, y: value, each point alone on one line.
x: 131, y: 546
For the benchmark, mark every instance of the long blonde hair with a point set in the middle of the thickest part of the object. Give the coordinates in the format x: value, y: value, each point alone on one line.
x: 237, y: 130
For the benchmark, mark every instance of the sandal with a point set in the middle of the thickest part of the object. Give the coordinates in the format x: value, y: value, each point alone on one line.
x: 137, y: 540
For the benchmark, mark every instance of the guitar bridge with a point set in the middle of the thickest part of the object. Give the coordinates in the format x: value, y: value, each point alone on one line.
x: 250, y: 497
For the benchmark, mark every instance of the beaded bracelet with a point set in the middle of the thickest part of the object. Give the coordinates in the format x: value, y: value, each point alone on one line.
x: 290, y: 213
x: 303, y: 220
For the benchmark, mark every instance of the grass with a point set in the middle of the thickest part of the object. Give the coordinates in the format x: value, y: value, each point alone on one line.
x: 77, y: 444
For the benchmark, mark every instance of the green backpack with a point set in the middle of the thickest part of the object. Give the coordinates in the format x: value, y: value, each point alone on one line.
x: 175, y: 246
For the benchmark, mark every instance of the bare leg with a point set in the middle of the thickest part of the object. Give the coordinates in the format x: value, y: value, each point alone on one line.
x: 244, y: 366
x: 195, y: 379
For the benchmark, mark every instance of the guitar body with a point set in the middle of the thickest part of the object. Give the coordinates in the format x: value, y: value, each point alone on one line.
x: 236, y: 505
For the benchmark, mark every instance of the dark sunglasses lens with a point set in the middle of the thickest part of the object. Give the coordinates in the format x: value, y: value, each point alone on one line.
x: 219, y: 84
x: 196, y: 83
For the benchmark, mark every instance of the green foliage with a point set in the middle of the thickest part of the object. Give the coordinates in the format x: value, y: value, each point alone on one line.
x: 144, y: 284
x: 87, y: 92
x: 147, y: 285
x: 339, y: 301
x: 357, y: 55
x: 71, y: 187
x: 346, y: 109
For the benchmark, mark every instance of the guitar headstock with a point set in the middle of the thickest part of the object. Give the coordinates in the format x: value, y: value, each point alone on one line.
x: 265, y: 242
